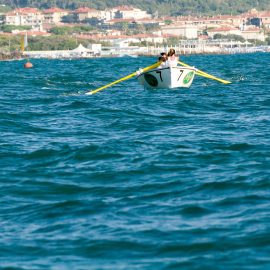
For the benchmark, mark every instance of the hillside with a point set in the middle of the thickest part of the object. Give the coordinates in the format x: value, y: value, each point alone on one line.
x: 163, y: 7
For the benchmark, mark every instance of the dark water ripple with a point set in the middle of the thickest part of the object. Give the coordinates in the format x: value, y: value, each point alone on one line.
x: 133, y: 178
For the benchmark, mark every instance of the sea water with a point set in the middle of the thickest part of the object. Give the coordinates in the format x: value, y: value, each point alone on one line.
x: 132, y: 178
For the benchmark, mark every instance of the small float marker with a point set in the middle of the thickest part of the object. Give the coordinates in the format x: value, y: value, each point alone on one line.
x: 28, y: 65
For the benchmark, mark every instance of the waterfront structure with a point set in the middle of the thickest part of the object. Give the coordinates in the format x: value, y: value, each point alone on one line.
x: 79, y: 52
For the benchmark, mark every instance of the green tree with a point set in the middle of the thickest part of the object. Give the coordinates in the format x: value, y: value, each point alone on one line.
x: 229, y: 37
x: 9, y: 28
x: 164, y: 7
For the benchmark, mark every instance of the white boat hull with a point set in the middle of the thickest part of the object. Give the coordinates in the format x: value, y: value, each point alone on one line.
x: 167, y: 77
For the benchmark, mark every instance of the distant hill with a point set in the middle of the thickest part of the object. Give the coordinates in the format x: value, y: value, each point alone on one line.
x: 160, y: 7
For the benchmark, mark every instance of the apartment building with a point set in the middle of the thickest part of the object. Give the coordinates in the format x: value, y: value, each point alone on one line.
x: 180, y: 30
x: 53, y: 15
x: 253, y: 34
x: 129, y: 12
x: 224, y: 31
x: 87, y: 13
x: 24, y: 16
x: 265, y: 19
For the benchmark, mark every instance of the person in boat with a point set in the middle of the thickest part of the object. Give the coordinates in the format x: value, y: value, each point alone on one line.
x: 172, y: 58
x: 164, y: 56
x: 163, y: 60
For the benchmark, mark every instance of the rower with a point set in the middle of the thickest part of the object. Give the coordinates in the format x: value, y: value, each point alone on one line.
x: 163, y: 60
x: 172, y: 58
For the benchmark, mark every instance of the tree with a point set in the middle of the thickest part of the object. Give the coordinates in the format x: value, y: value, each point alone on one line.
x: 229, y: 37
x: 165, y: 7
x: 8, y: 28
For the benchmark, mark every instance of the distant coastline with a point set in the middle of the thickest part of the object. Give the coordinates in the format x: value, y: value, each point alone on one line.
x: 69, y: 54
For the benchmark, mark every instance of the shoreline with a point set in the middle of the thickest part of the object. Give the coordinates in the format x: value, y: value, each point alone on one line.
x: 19, y: 56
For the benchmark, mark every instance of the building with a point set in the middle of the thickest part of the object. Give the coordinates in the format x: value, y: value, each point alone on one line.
x: 84, y: 13
x: 253, y: 34
x: 179, y: 30
x: 265, y: 19
x: 224, y: 31
x: 210, y: 22
x: 79, y: 52
x: 129, y: 12
x: 24, y: 16
x: 54, y: 15
x: 149, y: 38
x: 95, y: 48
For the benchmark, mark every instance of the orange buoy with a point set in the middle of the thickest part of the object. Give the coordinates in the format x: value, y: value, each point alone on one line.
x: 28, y: 65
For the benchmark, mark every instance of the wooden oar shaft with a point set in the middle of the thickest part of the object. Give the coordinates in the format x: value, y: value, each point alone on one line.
x: 122, y: 79
x: 110, y: 84
x: 204, y: 74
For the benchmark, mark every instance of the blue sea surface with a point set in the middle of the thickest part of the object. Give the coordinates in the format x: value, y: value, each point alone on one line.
x: 132, y: 178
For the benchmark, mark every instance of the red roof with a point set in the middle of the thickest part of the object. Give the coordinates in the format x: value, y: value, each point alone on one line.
x: 203, y: 37
x: 222, y: 29
x: 85, y: 10
x: 145, y: 36
x: 169, y: 35
x: 265, y: 14
x: 116, y: 37
x: 124, y: 8
x: 22, y: 11
x: 54, y: 10
x: 255, y: 30
x: 121, y: 20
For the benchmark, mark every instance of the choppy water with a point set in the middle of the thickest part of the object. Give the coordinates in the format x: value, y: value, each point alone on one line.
x: 132, y: 178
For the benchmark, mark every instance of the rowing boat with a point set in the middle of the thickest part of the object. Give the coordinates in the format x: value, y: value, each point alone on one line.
x: 155, y: 76
x: 167, y: 77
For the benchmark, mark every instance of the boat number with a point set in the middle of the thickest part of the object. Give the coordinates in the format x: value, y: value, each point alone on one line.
x: 181, y: 72
x: 160, y: 75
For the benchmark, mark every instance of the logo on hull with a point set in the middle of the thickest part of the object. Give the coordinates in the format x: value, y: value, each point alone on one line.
x: 151, y: 80
x: 188, y: 77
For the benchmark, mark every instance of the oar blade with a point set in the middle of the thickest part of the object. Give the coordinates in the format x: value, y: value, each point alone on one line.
x: 206, y: 75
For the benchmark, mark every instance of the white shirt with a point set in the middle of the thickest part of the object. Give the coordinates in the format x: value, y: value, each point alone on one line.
x: 172, y: 61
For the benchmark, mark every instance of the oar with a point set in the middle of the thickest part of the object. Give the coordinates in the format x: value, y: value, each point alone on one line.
x: 204, y: 74
x: 123, y: 79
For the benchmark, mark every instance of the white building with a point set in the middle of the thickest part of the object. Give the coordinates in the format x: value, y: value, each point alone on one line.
x: 247, y: 34
x: 87, y: 13
x: 79, y: 52
x: 129, y: 12
x: 95, y: 48
x: 24, y: 16
x: 265, y: 17
x: 187, y: 31
x: 153, y: 38
x: 54, y: 15
x: 224, y: 31
x: 253, y: 34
